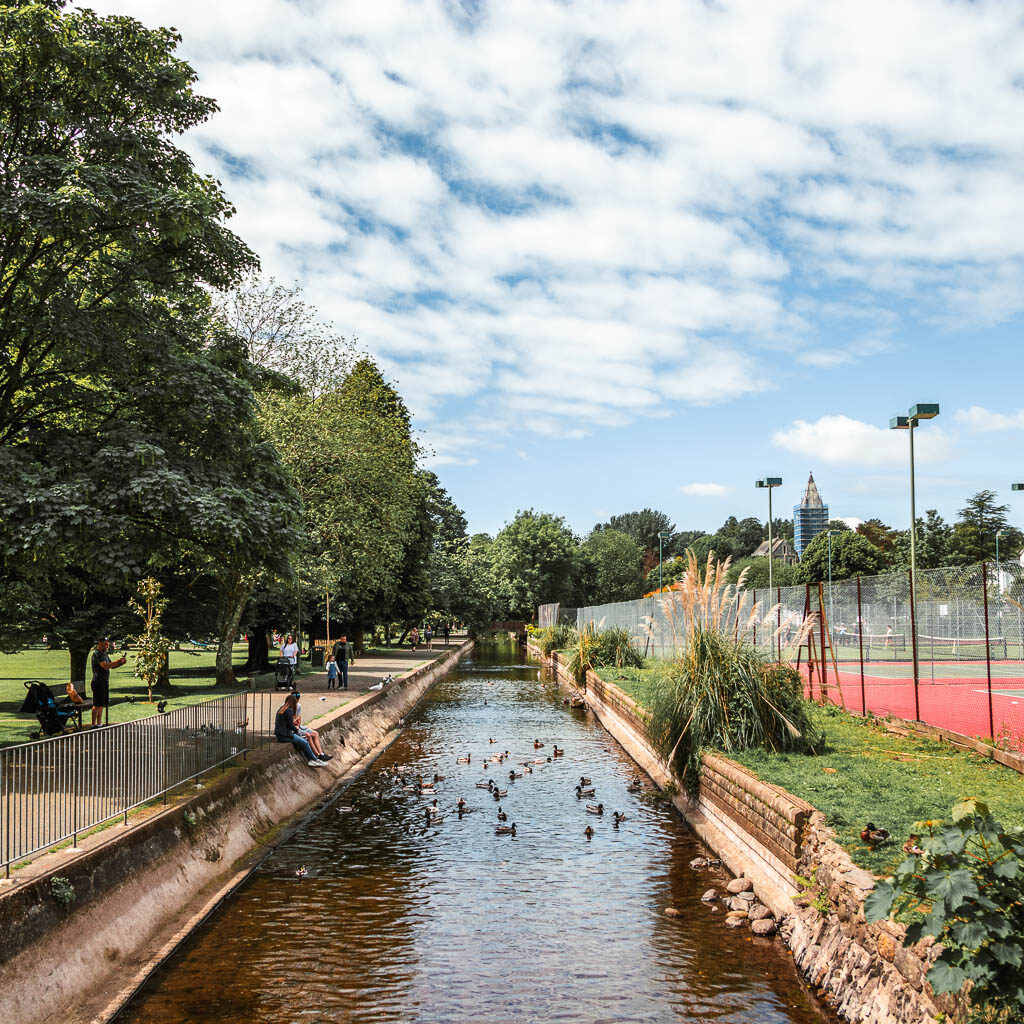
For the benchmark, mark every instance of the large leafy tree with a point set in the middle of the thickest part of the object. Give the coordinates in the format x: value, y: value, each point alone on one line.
x: 973, y: 538
x: 536, y: 559
x: 614, y: 567
x: 643, y: 526
x: 852, y: 555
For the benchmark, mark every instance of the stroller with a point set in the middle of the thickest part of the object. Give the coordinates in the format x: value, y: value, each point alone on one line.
x: 54, y: 717
x: 284, y: 674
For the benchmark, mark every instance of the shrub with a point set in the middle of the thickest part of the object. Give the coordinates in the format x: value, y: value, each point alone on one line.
x: 721, y: 692
x: 968, y: 883
x: 615, y: 647
x: 554, y: 638
x: 63, y: 891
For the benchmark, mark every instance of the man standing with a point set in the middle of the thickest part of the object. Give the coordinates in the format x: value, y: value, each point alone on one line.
x: 343, y: 655
x: 290, y: 653
x: 101, y: 666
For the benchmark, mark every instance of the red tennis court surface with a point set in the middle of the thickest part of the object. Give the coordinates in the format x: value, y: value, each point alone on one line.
x: 952, y: 696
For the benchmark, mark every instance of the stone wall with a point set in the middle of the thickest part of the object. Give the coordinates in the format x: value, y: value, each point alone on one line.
x: 139, y: 890
x: 767, y: 837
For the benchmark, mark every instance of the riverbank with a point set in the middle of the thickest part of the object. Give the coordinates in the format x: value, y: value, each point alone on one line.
x: 774, y: 839
x: 131, y: 892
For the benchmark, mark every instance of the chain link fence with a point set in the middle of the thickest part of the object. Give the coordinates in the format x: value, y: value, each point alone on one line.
x: 948, y: 651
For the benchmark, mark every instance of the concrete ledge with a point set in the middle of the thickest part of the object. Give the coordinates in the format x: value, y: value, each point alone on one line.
x: 137, y: 885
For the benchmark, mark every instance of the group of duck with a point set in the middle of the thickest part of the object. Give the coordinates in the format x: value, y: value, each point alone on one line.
x: 434, y: 815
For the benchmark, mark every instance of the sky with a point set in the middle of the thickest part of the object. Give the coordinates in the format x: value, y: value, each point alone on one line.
x: 629, y: 253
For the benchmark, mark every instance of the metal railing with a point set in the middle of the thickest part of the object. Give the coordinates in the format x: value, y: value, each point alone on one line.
x: 55, y: 789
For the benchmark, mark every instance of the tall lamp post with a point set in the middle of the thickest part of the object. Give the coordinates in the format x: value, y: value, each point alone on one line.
x: 663, y: 535
x: 831, y: 610
x: 769, y: 482
x: 916, y: 413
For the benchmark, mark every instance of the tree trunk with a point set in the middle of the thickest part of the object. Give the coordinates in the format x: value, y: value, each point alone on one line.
x: 357, y: 641
x: 163, y: 679
x: 79, y: 664
x: 233, y: 597
x: 259, y: 650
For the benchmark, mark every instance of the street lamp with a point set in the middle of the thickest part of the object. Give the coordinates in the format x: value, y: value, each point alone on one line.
x: 663, y: 535
x: 914, y: 414
x: 769, y: 482
x: 831, y: 610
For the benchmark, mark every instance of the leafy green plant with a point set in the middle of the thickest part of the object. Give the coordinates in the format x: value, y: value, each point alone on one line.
x: 153, y: 646
x: 615, y: 647
x: 813, y: 893
x: 966, y: 888
x: 583, y: 654
x: 191, y: 820
x: 63, y: 891
x: 554, y: 638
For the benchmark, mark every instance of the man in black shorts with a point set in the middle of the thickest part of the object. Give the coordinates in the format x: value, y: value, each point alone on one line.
x: 101, y: 666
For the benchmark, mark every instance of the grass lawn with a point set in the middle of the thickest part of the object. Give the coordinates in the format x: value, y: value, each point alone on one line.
x: 867, y: 774
x: 192, y: 681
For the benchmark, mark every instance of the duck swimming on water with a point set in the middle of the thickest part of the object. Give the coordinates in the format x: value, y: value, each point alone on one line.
x: 506, y: 830
x: 581, y: 792
x: 588, y: 832
x: 595, y: 808
x: 502, y: 816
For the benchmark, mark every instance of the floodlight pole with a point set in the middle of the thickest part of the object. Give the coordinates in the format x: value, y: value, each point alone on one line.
x: 661, y: 536
x: 769, y: 482
x: 831, y: 609
x: 921, y: 411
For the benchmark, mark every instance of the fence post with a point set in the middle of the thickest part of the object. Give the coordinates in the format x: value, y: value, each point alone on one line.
x: 913, y: 641
x: 755, y: 618
x: 163, y: 755
x: 988, y: 648
x: 860, y: 641
x: 778, y: 622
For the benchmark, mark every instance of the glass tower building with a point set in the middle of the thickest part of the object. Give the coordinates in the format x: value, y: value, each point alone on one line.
x: 810, y: 517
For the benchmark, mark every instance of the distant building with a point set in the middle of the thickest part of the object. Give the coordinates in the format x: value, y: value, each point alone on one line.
x: 781, y: 551
x: 810, y: 517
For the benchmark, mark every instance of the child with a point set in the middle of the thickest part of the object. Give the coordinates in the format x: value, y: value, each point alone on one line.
x: 332, y: 672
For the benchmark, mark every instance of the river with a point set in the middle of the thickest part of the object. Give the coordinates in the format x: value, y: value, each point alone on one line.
x: 371, y: 914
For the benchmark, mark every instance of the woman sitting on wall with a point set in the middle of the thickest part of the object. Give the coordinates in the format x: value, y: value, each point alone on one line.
x: 285, y: 731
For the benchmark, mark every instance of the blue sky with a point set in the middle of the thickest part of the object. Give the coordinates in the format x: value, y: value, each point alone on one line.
x: 625, y: 254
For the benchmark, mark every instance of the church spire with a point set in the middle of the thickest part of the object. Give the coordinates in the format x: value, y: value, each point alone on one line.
x: 812, y: 499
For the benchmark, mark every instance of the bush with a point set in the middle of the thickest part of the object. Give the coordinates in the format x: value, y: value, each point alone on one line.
x: 63, y: 891
x: 724, y: 695
x: 968, y: 883
x: 554, y: 638
x: 615, y: 647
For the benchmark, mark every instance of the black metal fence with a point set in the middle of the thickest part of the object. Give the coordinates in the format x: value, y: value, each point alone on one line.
x: 54, y: 790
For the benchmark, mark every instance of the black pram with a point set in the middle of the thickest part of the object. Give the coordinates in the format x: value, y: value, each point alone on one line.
x: 284, y: 675
x: 54, y: 717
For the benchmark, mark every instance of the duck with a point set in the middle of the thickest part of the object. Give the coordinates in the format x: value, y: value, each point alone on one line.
x: 581, y: 792
x: 499, y: 793
x: 502, y: 816
x: 484, y: 785
x: 301, y: 872
x: 588, y: 832
x: 541, y: 760
x: 513, y: 775
x: 492, y: 740
x: 438, y: 778
x: 635, y: 786
x: 558, y: 751
x: 910, y: 847
x: 873, y: 836
x: 537, y: 744
x: 584, y: 781
x: 617, y: 817
x: 460, y: 803
x: 527, y: 769
x: 463, y: 760
x: 595, y: 808
x: 506, y: 830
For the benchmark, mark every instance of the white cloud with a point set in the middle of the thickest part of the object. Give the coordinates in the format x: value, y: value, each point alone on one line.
x: 705, y: 490
x: 842, y: 440
x: 983, y: 421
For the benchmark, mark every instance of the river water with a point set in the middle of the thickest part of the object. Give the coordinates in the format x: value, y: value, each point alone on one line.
x: 370, y: 914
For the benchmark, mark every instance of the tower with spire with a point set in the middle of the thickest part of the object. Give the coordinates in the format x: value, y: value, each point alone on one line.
x: 810, y: 517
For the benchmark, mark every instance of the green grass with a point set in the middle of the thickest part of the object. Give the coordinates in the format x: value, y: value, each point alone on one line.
x: 192, y: 681
x: 868, y: 774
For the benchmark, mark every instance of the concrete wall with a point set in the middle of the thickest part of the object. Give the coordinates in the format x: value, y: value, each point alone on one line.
x: 140, y: 889
x: 767, y: 835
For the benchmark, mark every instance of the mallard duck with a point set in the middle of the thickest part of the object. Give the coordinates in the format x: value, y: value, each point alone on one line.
x: 581, y: 792
x: 635, y: 786
x: 513, y: 775
x: 558, y: 751
x: 595, y: 808
x: 873, y: 836
x: 588, y: 832
x: 460, y: 803
x: 506, y: 830
x: 910, y: 847
x: 463, y: 760
x: 491, y: 740
x: 584, y: 781
x: 527, y: 769
x: 617, y: 817
x: 499, y: 793
x: 540, y: 760
x: 484, y: 785
x: 438, y: 778
x: 537, y: 744
x: 301, y: 872
x: 502, y: 816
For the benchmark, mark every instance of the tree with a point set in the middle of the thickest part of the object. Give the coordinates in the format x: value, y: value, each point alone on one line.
x: 644, y: 527
x: 744, y: 536
x: 932, y: 544
x: 783, y: 574
x: 973, y: 537
x: 852, y: 555
x: 875, y: 531
x: 616, y: 566
x: 536, y: 560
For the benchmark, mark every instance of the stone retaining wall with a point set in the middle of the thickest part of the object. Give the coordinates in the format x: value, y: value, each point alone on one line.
x: 765, y: 834
x: 138, y: 890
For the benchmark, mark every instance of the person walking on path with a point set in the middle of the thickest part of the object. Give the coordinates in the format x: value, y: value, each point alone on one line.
x: 332, y: 672
x: 101, y: 666
x: 290, y: 653
x: 285, y: 731
x: 343, y: 656
x: 428, y: 637
x: 414, y: 638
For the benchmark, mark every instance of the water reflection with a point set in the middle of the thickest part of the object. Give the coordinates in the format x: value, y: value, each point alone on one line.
x: 398, y: 919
